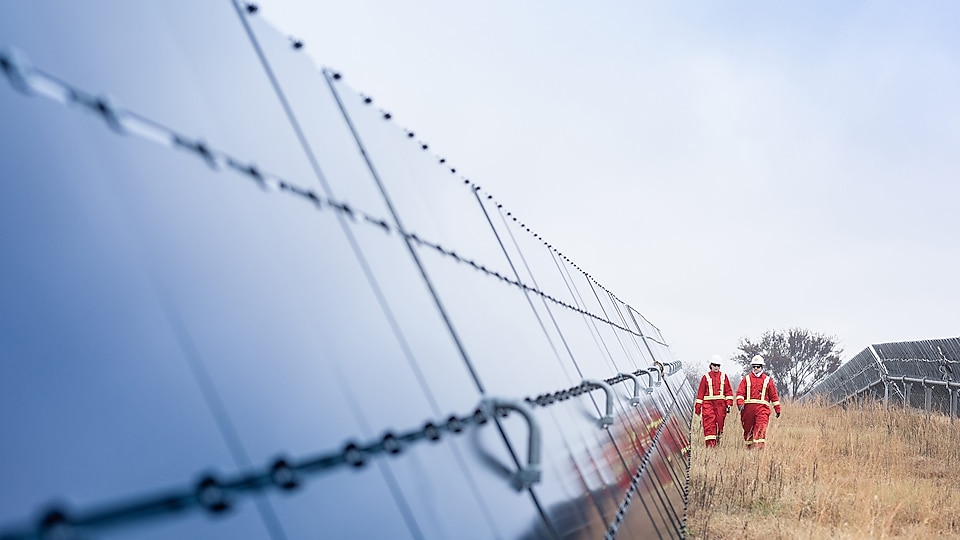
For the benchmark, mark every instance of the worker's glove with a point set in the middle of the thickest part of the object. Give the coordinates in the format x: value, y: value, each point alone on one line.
x: 778, y: 415
x: 728, y: 408
x: 740, y: 408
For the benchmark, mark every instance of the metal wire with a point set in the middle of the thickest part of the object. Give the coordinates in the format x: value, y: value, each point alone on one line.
x: 632, y: 488
x: 544, y: 400
x: 32, y: 81
x: 217, y: 495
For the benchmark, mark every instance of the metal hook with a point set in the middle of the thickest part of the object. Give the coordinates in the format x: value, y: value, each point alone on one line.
x: 649, y: 388
x: 607, y: 419
x: 658, y: 370
x: 529, y: 475
x: 635, y: 400
x: 674, y: 367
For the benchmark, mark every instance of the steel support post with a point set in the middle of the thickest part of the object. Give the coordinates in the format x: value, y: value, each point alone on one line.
x: 953, y: 403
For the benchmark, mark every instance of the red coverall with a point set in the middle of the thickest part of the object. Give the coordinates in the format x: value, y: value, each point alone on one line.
x: 713, y: 397
x: 756, y: 393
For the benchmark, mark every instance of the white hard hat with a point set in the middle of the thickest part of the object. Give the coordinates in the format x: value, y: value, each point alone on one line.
x: 757, y: 361
x: 715, y: 359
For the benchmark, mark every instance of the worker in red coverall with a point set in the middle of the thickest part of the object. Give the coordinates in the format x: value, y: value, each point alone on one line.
x: 714, y: 398
x: 756, y: 394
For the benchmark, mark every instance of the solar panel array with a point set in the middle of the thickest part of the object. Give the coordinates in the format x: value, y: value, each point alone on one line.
x: 922, y: 374
x: 240, y: 301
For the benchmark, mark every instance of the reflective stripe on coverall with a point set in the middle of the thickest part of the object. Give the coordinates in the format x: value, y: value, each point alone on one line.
x: 756, y: 393
x: 713, y: 397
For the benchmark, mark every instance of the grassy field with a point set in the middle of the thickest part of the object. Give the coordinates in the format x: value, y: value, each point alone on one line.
x: 828, y: 472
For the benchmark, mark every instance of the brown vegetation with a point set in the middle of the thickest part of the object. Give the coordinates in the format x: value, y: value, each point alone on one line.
x: 863, y: 471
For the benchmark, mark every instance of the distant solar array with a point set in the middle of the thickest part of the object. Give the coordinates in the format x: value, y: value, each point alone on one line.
x: 255, y: 307
x: 922, y: 374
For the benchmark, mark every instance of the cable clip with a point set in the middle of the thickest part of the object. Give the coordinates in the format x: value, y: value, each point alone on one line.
x: 649, y: 388
x: 607, y: 419
x: 635, y: 400
x: 531, y: 474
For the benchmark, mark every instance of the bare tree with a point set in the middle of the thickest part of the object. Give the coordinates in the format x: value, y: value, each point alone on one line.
x: 692, y: 375
x: 796, y: 358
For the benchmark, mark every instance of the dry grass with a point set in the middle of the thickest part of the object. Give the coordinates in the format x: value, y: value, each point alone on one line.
x: 828, y: 472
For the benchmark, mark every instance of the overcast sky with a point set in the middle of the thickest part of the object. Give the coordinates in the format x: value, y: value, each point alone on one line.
x: 725, y: 168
